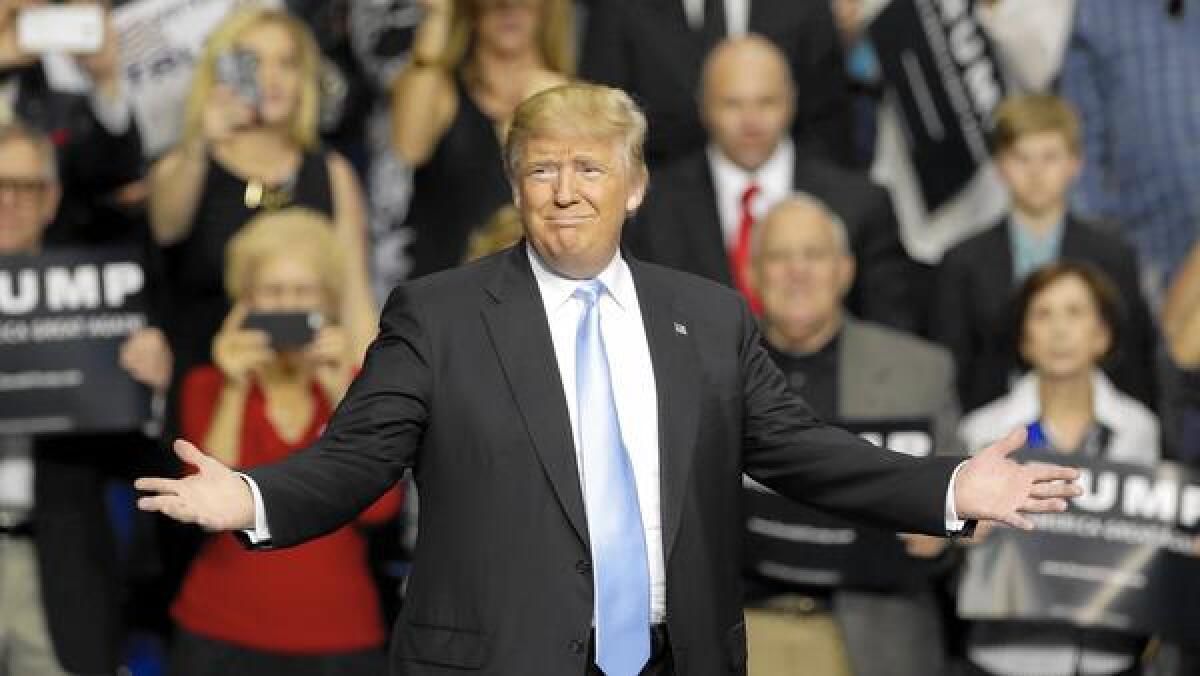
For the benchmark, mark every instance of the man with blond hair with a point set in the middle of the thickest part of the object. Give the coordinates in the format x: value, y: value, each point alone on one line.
x: 578, y: 423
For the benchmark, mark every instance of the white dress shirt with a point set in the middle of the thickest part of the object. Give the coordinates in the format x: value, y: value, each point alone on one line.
x: 737, y: 16
x: 775, y: 178
x: 634, y: 390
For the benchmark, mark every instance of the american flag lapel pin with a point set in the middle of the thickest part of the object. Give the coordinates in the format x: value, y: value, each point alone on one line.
x: 680, y: 329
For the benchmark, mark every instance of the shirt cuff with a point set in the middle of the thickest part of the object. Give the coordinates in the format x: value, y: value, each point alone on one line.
x: 953, y: 523
x: 260, y: 535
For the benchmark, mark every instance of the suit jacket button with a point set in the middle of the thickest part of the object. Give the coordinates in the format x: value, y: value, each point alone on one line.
x: 583, y: 567
x: 577, y: 647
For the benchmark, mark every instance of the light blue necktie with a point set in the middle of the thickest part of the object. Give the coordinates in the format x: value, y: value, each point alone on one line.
x: 622, y: 581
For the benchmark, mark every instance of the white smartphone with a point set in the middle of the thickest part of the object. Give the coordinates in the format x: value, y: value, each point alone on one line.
x: 77, y: 29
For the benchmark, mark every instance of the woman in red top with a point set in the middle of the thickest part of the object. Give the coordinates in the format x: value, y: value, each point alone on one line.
x: 311, y: 609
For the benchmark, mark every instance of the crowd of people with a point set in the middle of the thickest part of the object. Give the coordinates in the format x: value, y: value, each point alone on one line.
x: 1050, y: 281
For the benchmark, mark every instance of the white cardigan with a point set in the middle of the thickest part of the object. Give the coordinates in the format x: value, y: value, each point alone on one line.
x: 982, y: 590
x: 1135, y: 436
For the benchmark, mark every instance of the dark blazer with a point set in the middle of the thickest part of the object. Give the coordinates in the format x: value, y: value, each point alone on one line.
x: 974, y: 311
x: 678, y: 226
x: 462, y: 387
x: 647, y: 48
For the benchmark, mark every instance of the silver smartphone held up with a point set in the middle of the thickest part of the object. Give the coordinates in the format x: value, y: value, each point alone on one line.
x: 76, y: 29
x: 238, y: 70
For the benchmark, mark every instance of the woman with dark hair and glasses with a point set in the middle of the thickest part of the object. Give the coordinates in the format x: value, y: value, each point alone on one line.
x: 1065, y: 320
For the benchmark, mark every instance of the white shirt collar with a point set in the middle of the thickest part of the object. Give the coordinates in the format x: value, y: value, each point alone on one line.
x: 737, y: 15
x: 774, y: 179
x: 776, y: 172
x: 557, y: 289
x: 1106, y: 400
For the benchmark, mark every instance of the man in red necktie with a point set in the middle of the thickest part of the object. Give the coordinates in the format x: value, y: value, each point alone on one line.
x: 700, y: 214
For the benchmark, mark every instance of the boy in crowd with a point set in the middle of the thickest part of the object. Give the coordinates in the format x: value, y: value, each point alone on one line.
x: 1036, y: 148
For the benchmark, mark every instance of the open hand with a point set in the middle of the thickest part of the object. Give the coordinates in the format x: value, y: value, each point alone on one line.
x: 214, y: 498
x: 991, y: 485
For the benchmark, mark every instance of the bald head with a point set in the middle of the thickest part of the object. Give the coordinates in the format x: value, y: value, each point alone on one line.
x: 802, y: 211
x: 747, y: 99
x: 803, y: 269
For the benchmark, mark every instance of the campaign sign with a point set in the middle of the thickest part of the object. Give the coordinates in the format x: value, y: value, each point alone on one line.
x: 943, y: 74
x: 1122, y: 557
x: 789, y: 543
x: 64, y: 314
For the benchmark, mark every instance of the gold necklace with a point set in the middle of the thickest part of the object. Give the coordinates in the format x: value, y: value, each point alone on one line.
x: 259, y: 194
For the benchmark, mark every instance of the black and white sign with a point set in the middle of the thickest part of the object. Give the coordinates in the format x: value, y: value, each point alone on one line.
x: 63, y: 316
x: 938, y: 64
x: 1122, y: 557
x: 791, y: 544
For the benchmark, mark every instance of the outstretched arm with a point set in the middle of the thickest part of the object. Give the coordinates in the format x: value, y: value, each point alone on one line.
x: 370, y: 441
x: 786, y: 448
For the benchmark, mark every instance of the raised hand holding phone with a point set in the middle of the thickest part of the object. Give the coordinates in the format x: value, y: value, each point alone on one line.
x: 238, y: 351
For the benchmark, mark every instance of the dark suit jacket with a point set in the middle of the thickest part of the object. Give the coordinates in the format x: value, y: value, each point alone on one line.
x: 974, y: 311
x: 678, y: 226
x: 462, y: 387
x: 647, y: 48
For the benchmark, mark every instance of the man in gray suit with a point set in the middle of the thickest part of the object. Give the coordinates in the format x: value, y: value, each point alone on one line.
x: 851, y: 371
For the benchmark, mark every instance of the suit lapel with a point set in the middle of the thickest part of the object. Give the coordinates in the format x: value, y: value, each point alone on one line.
x: 703, y: 223
x: 520, y: 333
x: 759, y: 20
x: 673, y: 354
x: 998, y: 270
x: 1072, y: 247
x: 687, y: 49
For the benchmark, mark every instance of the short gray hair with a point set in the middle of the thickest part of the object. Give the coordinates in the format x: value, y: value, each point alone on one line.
x: 15, y: 130
x: 841, y: 235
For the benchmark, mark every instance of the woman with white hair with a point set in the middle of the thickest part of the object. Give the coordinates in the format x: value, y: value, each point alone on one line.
x: 311, y: 609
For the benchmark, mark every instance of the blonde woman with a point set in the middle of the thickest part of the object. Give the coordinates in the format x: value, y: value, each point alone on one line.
x: 311, y: 609
x: 249, y: 146
x: 472, y: 62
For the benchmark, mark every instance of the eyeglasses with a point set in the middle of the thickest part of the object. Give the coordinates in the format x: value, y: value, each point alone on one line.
x: 22, y: 190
